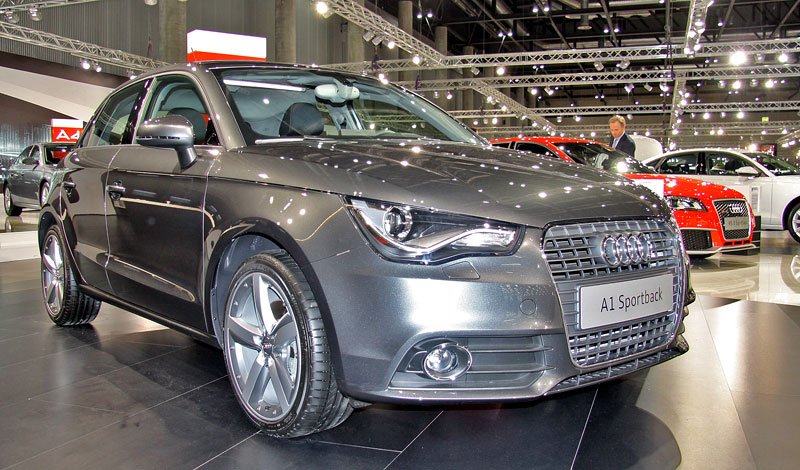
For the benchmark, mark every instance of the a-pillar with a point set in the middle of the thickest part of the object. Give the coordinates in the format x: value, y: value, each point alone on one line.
x: 285, y: 31
x: 356, y: 46
x: 172, y: 30
x: 405, y: 20
x: 440, y: 42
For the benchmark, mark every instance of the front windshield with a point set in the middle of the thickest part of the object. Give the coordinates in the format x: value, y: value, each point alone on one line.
x: 603, y: 157
x: 775, y: 165
x: 271, y: 103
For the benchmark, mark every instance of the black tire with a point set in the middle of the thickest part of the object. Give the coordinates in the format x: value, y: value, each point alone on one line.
x: 276, y: 350
x: 8, y: 203
x: 43, y: 192
x: 793, y: 222
x: 65, y: 303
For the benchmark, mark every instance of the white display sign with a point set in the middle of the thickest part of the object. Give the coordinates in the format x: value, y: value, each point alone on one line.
x: 608, y: 304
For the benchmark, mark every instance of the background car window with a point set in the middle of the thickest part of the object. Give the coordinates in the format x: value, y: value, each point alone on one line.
x: 721, y: 163
x: 33, y: 157
x: 536, y: 148
x: 505, y: 145
x: 24, y: 155
x: 113, y: 123
x: 683, y: 164
x: 177, y: 95
x: 55, y: 153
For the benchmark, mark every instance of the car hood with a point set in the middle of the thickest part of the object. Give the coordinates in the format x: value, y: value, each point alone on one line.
x: 690, y: 187
x: 483, y: 181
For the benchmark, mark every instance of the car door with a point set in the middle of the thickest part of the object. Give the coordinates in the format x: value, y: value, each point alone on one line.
x: 156, y: 215
x: 721, y: 168
x: 85, y: 178
x: 17, y: 177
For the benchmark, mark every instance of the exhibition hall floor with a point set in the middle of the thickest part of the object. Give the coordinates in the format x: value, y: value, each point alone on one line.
x: 128, y: 393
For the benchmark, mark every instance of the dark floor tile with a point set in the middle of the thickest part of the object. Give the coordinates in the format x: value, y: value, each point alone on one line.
x: 758, y: 346
x: 773, y: 438
x: 32, y: 427
x: 264, y: 452
x: 543, y: 434
x: 145, y: 384
x: 621, y: 435
x: 180, y: 434
x: 40, y: 375
x: 714, y: 302
x: 381, y: 426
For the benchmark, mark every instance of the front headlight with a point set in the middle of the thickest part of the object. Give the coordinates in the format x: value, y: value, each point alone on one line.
x: 682, y: 203
x: 416, y: 234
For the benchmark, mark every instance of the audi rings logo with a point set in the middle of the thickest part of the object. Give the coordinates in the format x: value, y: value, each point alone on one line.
x: 627, y: 249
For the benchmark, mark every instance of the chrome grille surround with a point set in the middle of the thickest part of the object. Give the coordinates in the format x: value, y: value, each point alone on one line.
x: 574, y: 256
x: 732, y: 208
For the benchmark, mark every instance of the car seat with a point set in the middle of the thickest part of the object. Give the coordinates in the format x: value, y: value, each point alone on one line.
x: 301, y: 119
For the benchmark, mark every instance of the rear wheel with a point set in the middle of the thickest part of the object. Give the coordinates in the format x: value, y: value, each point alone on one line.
x: 794, y: 223
x: 276, y: 350
x: 8, y: 203
x: 66, y: 304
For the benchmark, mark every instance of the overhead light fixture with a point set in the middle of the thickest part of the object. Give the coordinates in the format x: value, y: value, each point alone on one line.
x: 769, y: 83
x: 648, y: 87
x: 535, y: 9
x: 85, y: 64
x: 323, y: 9
x: 598, y: 65
x: 151, y: 2
x: 97, y: 67
x: 783, y: 58
x: 416, y: 60
x: 548, y: 90
x: 738, y: 58
x: 368, y: 35
x: 34, y: 13
x: 623, y: 64
x: 534, y: 91
x: 391, y: 44
x: 376, y: 40
x: 449, y: 95
x: 664, y: 87
x: 501, y: 70
x: 475, y: 70
x: 628, y: 88
x: 11, y: 16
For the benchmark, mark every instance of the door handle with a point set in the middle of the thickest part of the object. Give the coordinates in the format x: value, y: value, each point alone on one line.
x: 115, y: 190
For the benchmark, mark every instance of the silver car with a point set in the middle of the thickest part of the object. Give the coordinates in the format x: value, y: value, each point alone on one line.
x: 346, y: 242
x: 27, y: 179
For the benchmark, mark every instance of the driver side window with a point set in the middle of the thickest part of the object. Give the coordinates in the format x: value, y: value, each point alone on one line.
x: 719, y: 163
x: 684, y: 164
x: 177, y: 95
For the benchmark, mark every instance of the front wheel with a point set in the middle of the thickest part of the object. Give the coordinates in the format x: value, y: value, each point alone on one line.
x: 66, y: 304
x: 43, y: 192
x: 794, y: 222
x: 276, y: 350
x: 8, y: 203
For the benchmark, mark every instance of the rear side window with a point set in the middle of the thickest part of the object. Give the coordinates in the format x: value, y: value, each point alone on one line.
x: 683, y: 164
x: 536, y: 148
x: 720, y: 163
x: 113, y: 124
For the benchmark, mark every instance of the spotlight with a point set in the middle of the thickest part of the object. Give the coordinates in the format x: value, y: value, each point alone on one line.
x: 598, y: 65
x: 85, y: 64
x: 391, y: 44
x: 475, y: 70
x: 449, y: 95
x: 34, y: 13
x: 769, y: 83
x: 628, y: 88
x: 98, y: 68
x: 11, y: 17
x: 738, y: 58
x: 416, y: 60
x: 783, y: 58
x: 368, y: 35
x: 548, y: 90
x: 151, y: 2
x: 664, y: 87
x: 323, y: 9
x: 534, y: 91
x: 648, y: 87
x: 501, y: 70
x: 623, y: 64
x: 376, y: 40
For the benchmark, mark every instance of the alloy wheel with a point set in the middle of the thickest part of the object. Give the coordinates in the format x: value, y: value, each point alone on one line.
x: 263, y: 347
x: 7, y: 199
x: 53, y: 274
x: 43, y: 194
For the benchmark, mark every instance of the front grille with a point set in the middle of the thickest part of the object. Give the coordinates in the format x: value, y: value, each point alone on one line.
x: 695, y: 240
x: 733, y: 208
x: 575, y: 258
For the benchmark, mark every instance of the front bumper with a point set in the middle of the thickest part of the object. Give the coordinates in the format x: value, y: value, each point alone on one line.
x: 507, y: 311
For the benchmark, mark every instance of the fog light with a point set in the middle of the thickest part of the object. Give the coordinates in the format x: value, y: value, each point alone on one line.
x: 447, y: 361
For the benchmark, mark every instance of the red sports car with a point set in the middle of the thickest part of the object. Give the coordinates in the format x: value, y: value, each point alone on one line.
x: 712, y: 218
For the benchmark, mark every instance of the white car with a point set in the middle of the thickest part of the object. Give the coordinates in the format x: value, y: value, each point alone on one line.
x: 771, y: 185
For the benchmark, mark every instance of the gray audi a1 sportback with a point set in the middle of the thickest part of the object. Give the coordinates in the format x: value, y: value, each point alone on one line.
x: 346, y: 242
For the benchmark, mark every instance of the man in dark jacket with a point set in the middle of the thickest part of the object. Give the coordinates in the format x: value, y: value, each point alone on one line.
x: 619, y: 139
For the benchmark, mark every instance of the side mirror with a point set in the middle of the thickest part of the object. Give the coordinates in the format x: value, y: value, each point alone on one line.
x: 173, y: 132
x: 747, y: 171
